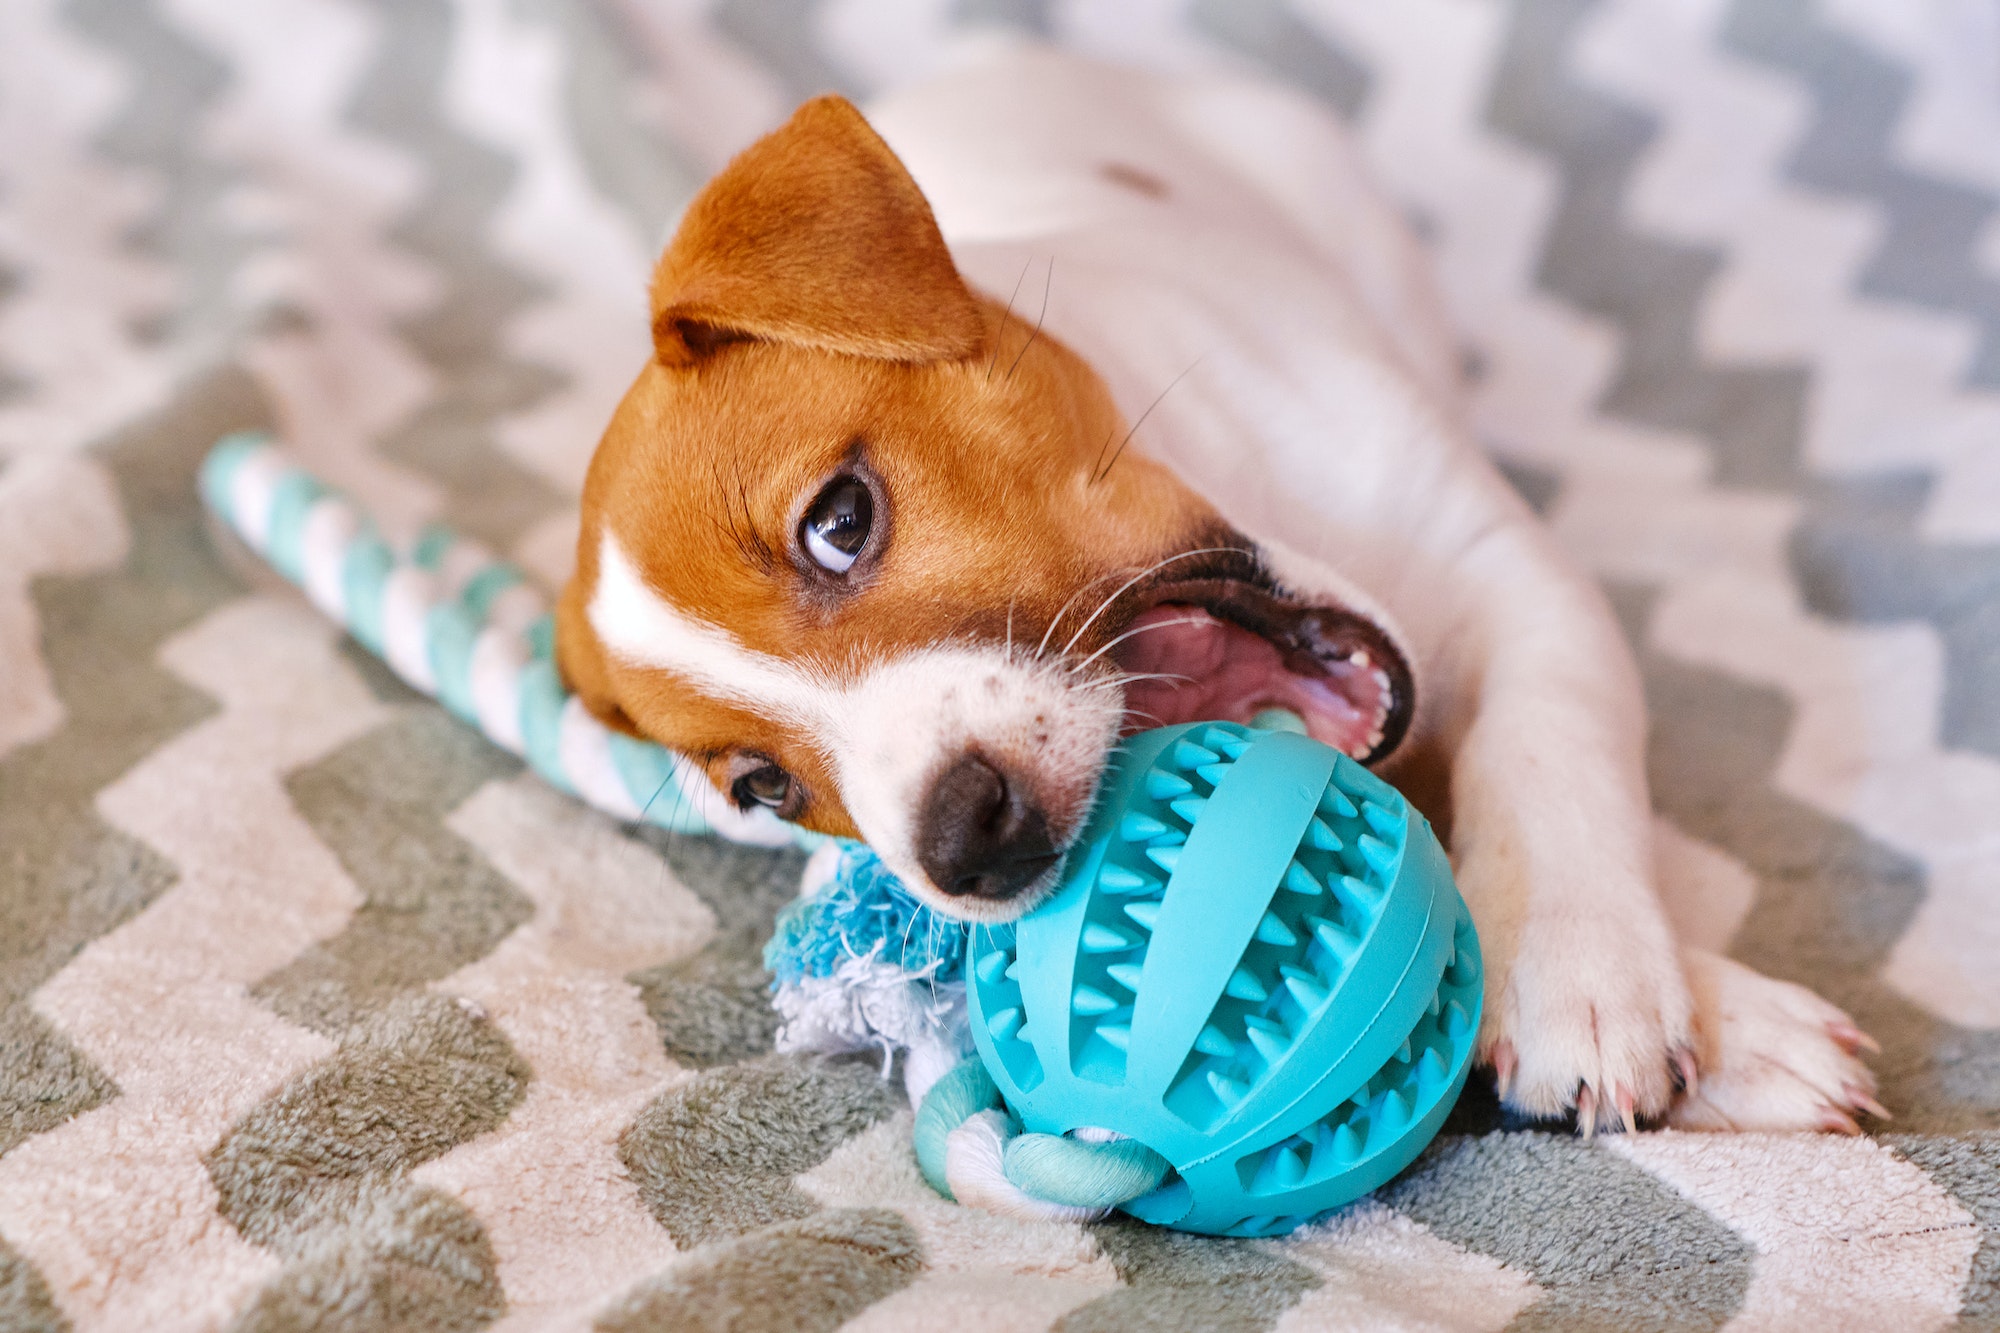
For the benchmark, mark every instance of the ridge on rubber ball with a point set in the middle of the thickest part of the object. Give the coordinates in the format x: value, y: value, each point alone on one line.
x: 1257, y: 965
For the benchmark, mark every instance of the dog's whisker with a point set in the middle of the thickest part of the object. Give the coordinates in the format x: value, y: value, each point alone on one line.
x: 1193, y: 618
x: 1132, y: 582
x: 1097, y: 476
x: 1134, y: 678
x: 1025, y: 266
x: 1046, y: 279
x: 1041, y: 649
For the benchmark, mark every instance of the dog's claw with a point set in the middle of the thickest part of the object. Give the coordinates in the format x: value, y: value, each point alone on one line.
x: 1838, y: 1122
x: 1628, y: 1109
x: 1852, y: 1039
x: 1685, y: 1070
x: 1862, y: 1100
x: 1503, y: 1068
x: 1586, y: 1112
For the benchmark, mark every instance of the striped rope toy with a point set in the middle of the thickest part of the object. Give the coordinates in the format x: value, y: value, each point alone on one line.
x: 468, y: 629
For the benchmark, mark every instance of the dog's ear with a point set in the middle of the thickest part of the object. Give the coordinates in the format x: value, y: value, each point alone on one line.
x: 814, y: 235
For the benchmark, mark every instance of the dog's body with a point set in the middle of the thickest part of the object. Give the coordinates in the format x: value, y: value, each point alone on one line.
x: 1299, y: 519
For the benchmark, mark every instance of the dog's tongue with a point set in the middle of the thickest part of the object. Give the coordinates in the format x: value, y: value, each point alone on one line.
x: 1208, y: 670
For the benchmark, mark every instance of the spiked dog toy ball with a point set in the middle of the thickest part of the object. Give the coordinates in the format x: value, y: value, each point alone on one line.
x: 1257, y: 981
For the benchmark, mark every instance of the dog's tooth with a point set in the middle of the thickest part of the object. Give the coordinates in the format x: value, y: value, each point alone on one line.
x: 1359, y: 657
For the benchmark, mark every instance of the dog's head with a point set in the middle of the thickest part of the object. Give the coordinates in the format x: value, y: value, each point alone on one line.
x: 868, y: 547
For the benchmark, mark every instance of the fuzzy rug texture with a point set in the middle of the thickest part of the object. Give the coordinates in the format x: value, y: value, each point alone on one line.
x: 316, y: 1012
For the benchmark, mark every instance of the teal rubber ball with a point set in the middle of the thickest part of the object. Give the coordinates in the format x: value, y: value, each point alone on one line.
x: 1257, y: 965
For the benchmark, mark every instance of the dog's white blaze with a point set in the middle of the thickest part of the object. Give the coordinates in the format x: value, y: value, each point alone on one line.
x: 888, y: 725
x: 642, y: 628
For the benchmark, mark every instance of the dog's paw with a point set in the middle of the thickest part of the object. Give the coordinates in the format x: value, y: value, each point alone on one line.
x: 1774, y: 1056
x: 1593, y: 1020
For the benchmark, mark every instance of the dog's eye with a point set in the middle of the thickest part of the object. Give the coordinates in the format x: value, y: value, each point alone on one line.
x: 766, y: 785
x: 836, y: 527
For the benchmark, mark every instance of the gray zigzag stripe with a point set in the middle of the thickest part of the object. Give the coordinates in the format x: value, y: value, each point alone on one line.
x: 319, y: 1173
x: 173, y: 84
x: 25, y: 1303
x: 1652, y: 289
x: 12, y: 386
x: 490, y: 496
x: 1598, y: 1270
x: 1174, y: 1281
x: 65, y: 876
x: 780, y: 34
x: 1268, y: 32
x: 808, y: 1276
x: 1831, y: 923
x: 1934, y: 226
x: 433, y: 903
x: 1857, y: 556
x: 1831, y: 902
x: 715, y: 1007
x: 647, y: 175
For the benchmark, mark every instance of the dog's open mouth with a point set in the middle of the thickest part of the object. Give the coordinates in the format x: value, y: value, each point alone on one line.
x: 1229, y: 647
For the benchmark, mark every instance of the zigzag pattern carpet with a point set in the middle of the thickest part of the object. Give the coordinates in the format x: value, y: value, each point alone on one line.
x: 315, y: 1012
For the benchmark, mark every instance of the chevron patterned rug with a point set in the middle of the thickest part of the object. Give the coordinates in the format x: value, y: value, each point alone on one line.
x: 318, y: 1013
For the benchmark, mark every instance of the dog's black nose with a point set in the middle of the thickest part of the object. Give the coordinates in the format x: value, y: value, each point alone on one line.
x: 978, y: 835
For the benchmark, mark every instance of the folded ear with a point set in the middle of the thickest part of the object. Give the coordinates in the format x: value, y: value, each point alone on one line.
x: 814, y: 235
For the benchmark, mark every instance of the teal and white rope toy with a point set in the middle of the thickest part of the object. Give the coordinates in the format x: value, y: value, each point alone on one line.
x: 468, y: 629
x: 1252, y: 999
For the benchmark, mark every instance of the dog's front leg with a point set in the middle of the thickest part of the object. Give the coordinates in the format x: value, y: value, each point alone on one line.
x: 1586, y: 1004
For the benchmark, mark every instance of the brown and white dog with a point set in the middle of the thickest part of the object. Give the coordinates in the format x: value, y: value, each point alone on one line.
x: 1141, y: 410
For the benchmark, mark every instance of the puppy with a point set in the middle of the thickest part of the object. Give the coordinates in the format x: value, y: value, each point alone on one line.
x: 1141, y: 410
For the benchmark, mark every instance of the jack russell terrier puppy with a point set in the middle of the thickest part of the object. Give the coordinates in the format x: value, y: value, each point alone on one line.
x: 1063, y: 400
